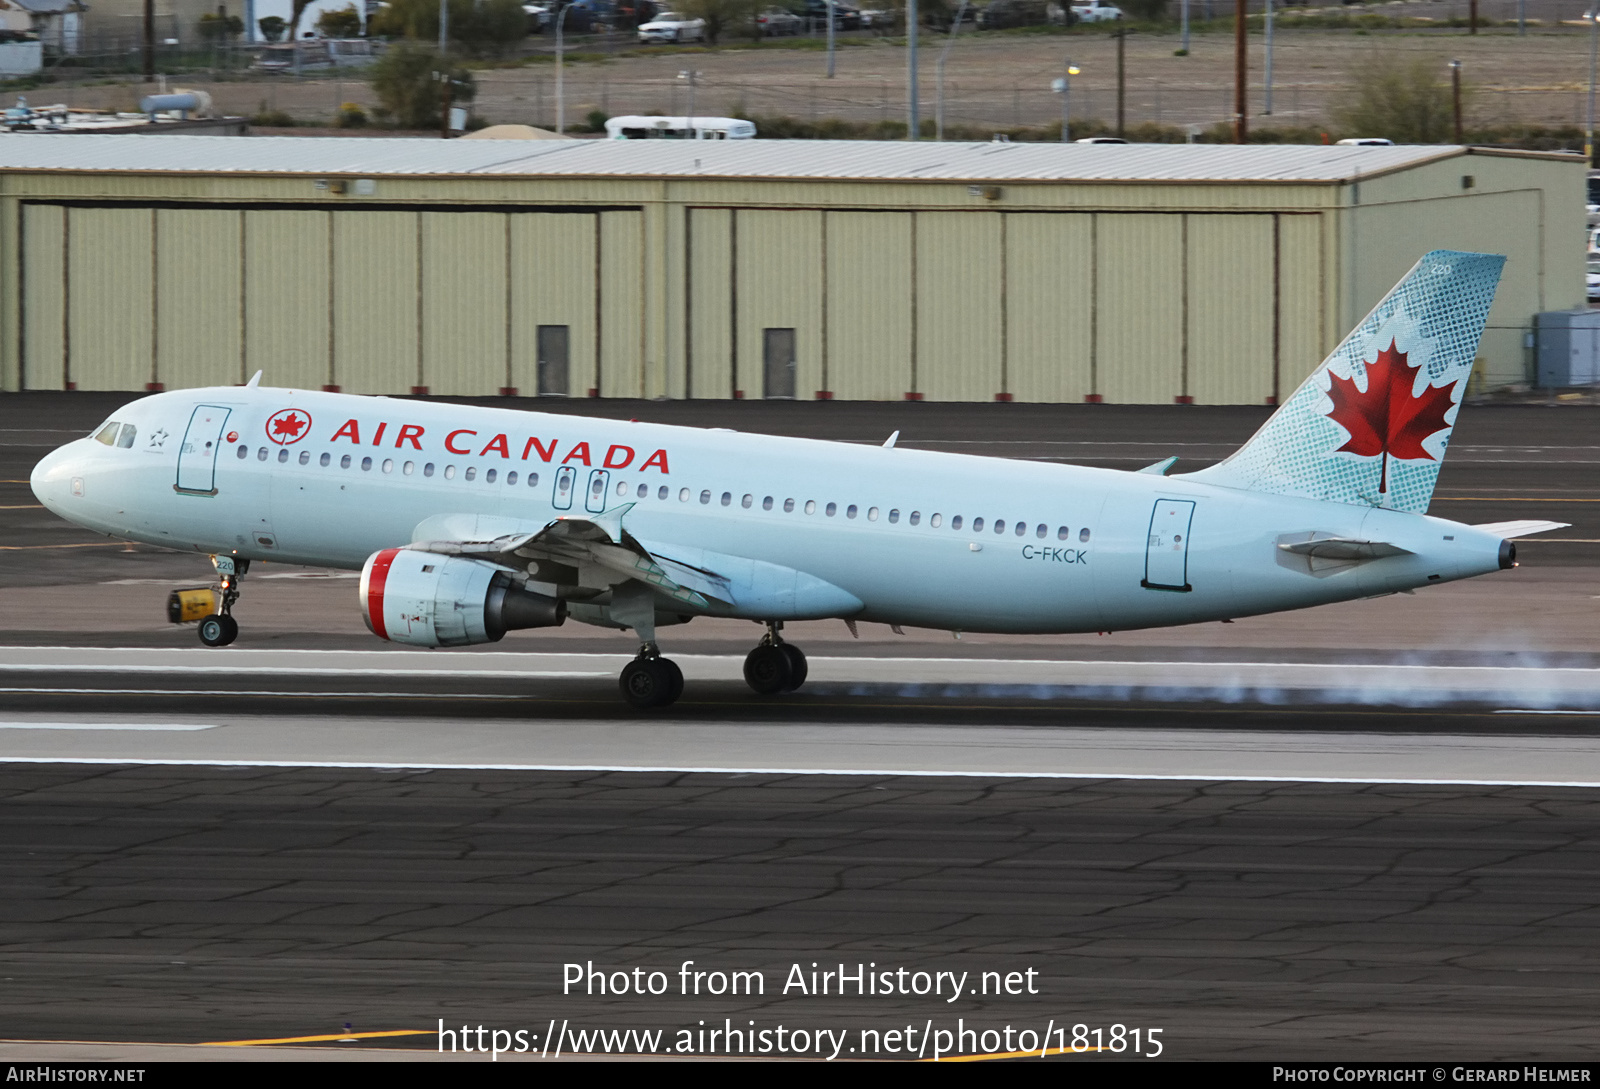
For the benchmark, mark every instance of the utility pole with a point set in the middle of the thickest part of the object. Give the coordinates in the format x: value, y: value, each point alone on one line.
x: 1185, y: 27
x: 830, y: 39
x: 444, y: 27
x: 1267, y: 75
x: 1241, y: 109
x: 938, y: 123
x: 1063, y: 87
x: 561, y: 90
x: 1588, y: 132
x: 913, y: 112
x: 149, y: 41
x: 1455, y: 95
x: 1472, y: 18
x: 1122, y: 85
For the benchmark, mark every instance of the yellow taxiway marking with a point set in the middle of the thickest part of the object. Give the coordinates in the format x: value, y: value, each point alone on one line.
x: 320, y: 1039
x: 24, y: 506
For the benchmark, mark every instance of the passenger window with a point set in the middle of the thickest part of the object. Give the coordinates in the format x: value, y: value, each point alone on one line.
x: 1083, y: 534
x: 832, y: 509
x: 727, y: 497
x: 344, y: 462
x: 643, y: 492
x: 283, y: 455
x: 305, y: 457
x: 705, y: 496
x: 811, y: 506
x: 245, y: 450
x: 1039, y: 533
x: 1063, y: 533
x: 683, y: 495
x: 622, y: 487
x: 366, y: 465
x: 788, y: 506
x: 472, y: 472
x: 1022, y: 529
x: 850, y: 511
x: 488, y: 478
x: 894, y: 516
x: 511, y: 478
x: 408, y: 468
x: 999, y: 525
x: 955, y: 523
x: 261, y: 454
x: 388, y: 465
x: 746, y: 501
x: 427, y: 469
x: 125, y: 440
x: 872, y: 514
x: 766, y: 503
x: 449, y: 472
x: 323, y: 460
x: 916, y: 516
x: 935, y: 520
x: 108, y: 434
x: 661, y: 493
x: 977, y: 524
x: 533, y: 480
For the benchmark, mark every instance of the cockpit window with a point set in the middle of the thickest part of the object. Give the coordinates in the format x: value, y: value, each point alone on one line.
x: 108, y: 433
x: 125, y: 440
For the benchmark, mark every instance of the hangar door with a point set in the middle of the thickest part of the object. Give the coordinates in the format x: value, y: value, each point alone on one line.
x: 364, y: 298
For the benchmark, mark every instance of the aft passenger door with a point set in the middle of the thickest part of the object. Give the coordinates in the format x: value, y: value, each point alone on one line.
x: 1166, y: 553
x: 197, y: 454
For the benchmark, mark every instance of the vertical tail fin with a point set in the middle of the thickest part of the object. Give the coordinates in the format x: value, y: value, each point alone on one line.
x: 1370, y: 425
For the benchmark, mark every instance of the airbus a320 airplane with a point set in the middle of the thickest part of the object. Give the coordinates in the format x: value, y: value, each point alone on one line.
x: 470, y: 522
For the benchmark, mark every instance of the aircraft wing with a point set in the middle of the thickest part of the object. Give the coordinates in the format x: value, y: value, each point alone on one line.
x: 1523, y: 528
x: 571, y: 544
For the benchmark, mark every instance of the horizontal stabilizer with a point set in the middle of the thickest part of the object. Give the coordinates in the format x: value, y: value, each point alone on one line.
x: 1344, y: 548
x: 1507, y: 530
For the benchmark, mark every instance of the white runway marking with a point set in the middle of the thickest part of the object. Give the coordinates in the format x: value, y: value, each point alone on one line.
x: 156, y: 727
x: 870, y: 772
x: 266, y: 692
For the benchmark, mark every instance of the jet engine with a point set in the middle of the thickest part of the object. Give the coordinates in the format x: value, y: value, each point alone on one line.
x: 428, y: 600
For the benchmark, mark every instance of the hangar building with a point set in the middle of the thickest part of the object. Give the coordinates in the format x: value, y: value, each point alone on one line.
x: 956, y: 271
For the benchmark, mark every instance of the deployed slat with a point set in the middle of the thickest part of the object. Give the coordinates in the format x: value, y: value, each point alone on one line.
x: 199, y: 313
x: 110, y: 297
x: 1049, y: 295
x: 869, y: 305
x: 287, y: 298
x: 44, y: 257
x: 464, y: 326
x: 377, y: 301
x: 959, y: 314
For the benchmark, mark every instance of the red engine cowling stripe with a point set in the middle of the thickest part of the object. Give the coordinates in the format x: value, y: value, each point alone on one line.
x: 375, y: 582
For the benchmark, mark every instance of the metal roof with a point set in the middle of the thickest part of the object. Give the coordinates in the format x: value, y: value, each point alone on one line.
x: 774, y: 159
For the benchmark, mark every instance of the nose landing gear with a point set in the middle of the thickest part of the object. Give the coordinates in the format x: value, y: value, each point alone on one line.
x: 775, y: 666
x: 220, y: 628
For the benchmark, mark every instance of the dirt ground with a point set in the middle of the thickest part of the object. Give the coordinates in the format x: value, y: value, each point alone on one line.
x: 1004, y: 79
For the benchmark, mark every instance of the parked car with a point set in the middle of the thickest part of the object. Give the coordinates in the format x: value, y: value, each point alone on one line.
x: 880, y: 18
x: 1366, y: 141
x: 845, y: 16
x: 539, y: 16
x: 777, y: 22
x: 670, y: 26
x: 1096, y: 12
x: 1101, y: 140
x: 1008, y: 13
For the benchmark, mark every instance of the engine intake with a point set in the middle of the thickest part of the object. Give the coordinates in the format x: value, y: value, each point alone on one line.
x: 427, y: 600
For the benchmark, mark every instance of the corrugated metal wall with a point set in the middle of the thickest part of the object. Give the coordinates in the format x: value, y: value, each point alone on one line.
x: 370, y: 301
x: 950, y: 305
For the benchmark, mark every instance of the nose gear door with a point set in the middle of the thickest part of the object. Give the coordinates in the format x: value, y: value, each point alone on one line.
x: 1166, y: 553
x: 197, y: 455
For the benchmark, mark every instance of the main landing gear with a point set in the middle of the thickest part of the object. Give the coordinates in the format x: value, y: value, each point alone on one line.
x: 774, y: 666
x: 651, y: 680
x: 220, y: 628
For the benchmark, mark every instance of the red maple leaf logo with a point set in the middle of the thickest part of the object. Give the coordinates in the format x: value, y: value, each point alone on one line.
x: 1387, y: 420
x: 287, y: 426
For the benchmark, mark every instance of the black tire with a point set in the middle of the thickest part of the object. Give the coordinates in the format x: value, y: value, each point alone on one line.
x: 650, y: 682
x: 767, y: 670
x: 218, y: 630
x: 797, y: 665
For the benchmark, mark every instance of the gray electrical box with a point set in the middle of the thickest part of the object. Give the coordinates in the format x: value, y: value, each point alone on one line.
x: 1567, y: 349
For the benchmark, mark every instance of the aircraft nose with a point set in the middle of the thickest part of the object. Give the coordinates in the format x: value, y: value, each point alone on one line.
x: 57, y: 477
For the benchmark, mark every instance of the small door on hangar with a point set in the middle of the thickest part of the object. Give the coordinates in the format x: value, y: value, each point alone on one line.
x: 1166, y: 553
x: 778, y: 363
x: 552, y: 348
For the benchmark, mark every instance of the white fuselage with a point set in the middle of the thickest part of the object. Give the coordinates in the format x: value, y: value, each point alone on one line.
x: 328, y: 479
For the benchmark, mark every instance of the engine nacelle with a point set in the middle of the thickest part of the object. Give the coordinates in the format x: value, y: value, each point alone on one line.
x: 428, y: 600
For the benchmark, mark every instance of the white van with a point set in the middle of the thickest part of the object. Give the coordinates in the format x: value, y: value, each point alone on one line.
x: 679, y: 128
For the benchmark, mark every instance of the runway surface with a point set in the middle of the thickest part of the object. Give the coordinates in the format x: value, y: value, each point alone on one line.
x: 1361, y: 832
